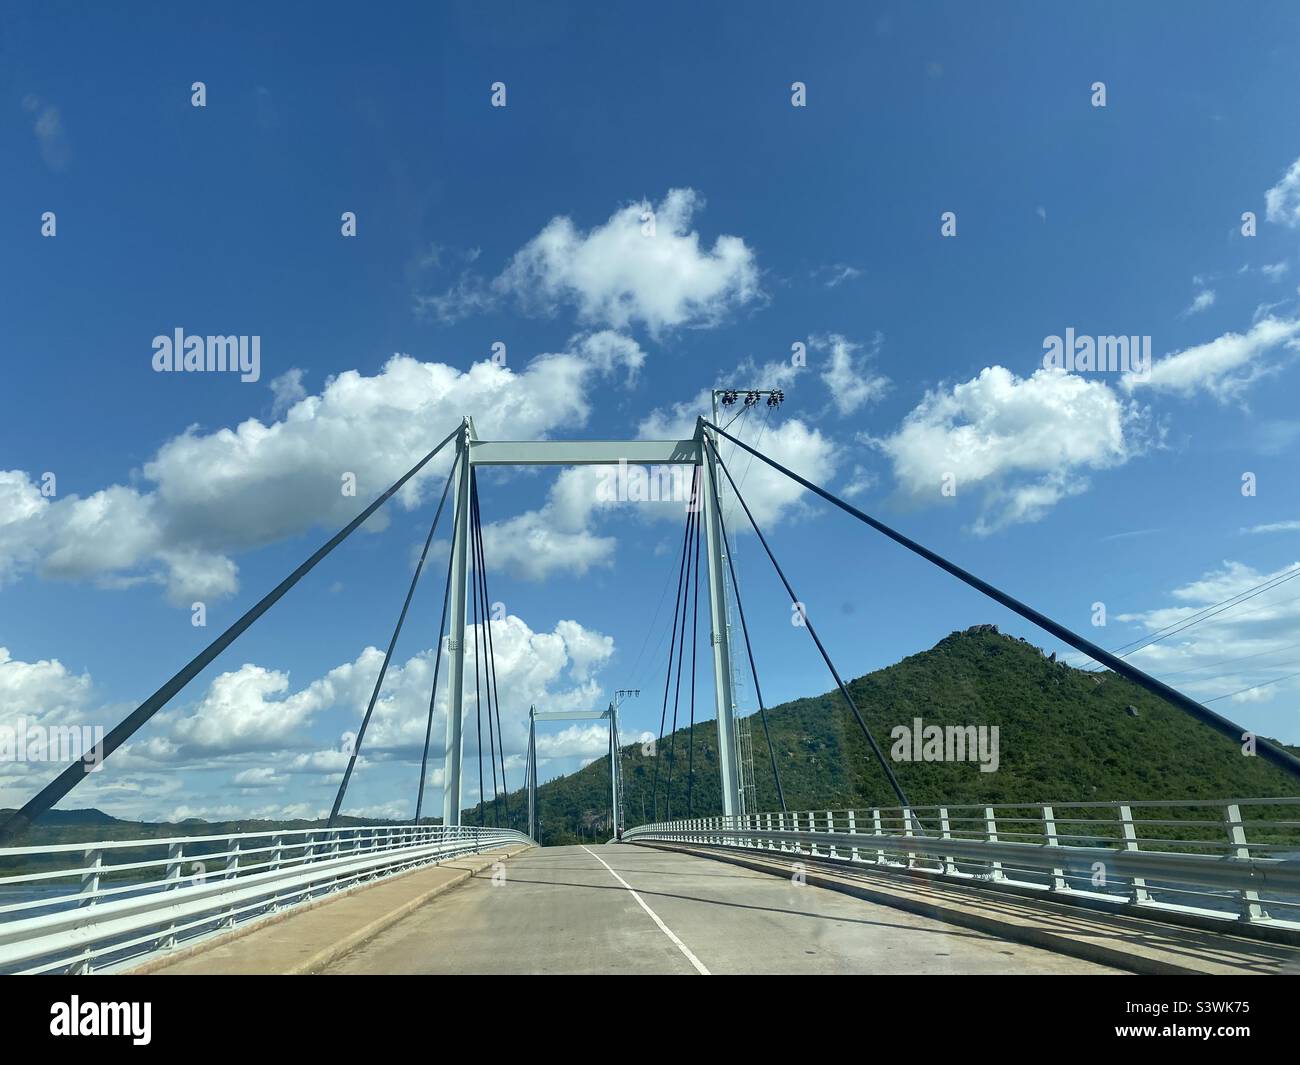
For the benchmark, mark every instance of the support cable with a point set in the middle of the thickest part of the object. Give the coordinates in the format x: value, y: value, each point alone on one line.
x: 433, y: 691
x: 478, y: 705
x: 807, y: 623
x: 693, y: 527
x: 388, y: 655
x: 73, y: 774
x: 749, y: 650
x: 1279, y: 757
x: 695, y: 638
x: 492, y: 655
x: 480, y: 591
x: 672, y: 646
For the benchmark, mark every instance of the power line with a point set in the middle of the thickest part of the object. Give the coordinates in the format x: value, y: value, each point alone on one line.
x: 1205, y: 613
x: 1275, y: 680
x: 1230, y: 661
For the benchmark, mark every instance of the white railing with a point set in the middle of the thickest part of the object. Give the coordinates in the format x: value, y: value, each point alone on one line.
x: 79, y: 907
x: 1236, y: 859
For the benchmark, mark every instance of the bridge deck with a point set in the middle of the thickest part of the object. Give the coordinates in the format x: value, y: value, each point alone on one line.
x: 573, y: 910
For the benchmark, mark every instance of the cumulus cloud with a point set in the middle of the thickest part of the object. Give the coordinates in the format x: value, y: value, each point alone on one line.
x: 645, y: 265
x: 848, y: 375
x: 1282, y: 201
x: 44, y: 691
x: 1224, y: 367
x: 210, y: 495
x: 261, y: 732
x: 1023, y: 443
x: 287, y: 390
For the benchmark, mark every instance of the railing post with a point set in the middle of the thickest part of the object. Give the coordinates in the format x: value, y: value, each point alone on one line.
x: 830, y: 828
x: 231, y: 872
x: 945, y: 832
x: 1139, y: 893
x: 1049, y: 833
x: 907, y: 831
x: 172, y: 881
x: 853, y: 831
x: 812, y: 834
x: 94, y: 862
x: 1248, y: 900
x: 991, y: 834
x: 875, y: 825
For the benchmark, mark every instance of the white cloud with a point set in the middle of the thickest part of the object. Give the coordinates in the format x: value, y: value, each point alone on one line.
x: 1024, y: 444
x: 1276, y: 526
x: 849, y: 377
x: 771, y: 495
x: 1223, y: 367
x: 44, y: 692
x: 1275, y: 271
x: 1282, y: 201
x: 256, y: 731
x: 618, y: 274
x: 1203, y: 301
x: 836, y: 274
x: 860, y: 481
x: 50, y: 137
x: 213, y: 494
x: 287, y: 390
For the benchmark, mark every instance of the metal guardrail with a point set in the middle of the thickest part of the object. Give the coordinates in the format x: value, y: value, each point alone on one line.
x: 80, y: 907
x: 1234, y: 858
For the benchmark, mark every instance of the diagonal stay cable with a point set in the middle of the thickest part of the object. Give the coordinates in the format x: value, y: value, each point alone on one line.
x: 73, y: 774
x: 693, y: 525
x: 672, y: 646
x: 478, y: 704
x: 1279, y: 757
x: 492, y: 654
x: 695, y: 639
x: 388, y: 655
x: 433, y: 691
x: 749, y: 650
x: 744, y: 628
x: 812, y: 631
x: 480, y: 594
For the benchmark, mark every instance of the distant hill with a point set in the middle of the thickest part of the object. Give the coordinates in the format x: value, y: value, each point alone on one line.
x: 1064, y: 734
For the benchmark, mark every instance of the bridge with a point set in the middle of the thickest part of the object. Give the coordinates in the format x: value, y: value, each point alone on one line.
x: 1195, y: 886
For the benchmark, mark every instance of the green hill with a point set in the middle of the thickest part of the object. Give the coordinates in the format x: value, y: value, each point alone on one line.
x: 1064, y: 734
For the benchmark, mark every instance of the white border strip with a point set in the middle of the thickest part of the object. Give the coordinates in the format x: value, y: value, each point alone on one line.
x: 690, y: 957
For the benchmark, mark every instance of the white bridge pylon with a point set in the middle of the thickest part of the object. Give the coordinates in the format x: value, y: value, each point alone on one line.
x: 615, y: 767
x: 471, y: 452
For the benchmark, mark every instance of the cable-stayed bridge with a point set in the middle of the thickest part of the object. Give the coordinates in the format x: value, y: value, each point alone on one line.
x: 1154, y: 885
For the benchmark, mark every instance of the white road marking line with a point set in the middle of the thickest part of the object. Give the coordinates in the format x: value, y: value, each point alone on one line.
x: 699, y: 965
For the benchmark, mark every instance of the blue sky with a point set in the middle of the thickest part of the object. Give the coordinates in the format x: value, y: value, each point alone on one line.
x: 775, y: 225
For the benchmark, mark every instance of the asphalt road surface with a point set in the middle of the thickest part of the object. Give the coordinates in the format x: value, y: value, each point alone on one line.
x: 628, y: 909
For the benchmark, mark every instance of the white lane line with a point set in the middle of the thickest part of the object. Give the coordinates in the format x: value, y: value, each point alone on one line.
x: 699, y: 965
